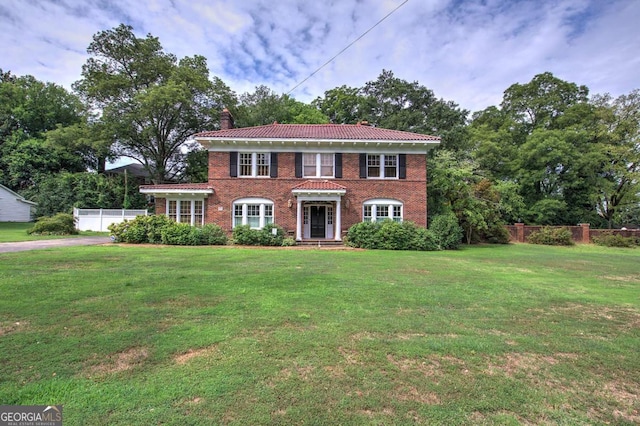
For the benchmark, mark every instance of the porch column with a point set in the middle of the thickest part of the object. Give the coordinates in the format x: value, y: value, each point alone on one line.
x: 338, y: 233
x: 299, y: 221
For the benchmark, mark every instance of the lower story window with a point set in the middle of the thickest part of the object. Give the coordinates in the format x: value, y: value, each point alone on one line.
x: 186, y: 211
x: 381, y: 209
x: 255, y: 212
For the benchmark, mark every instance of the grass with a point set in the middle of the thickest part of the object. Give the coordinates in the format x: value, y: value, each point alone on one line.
x: 17, y: 231
x: 517, y: 334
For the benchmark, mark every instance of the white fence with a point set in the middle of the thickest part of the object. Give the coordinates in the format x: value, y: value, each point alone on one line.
x: 100, y: 219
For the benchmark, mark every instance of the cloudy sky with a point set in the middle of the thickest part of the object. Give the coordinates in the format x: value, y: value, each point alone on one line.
x: 467, y: 51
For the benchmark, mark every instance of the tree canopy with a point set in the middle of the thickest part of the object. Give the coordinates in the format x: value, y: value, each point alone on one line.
x: 150, y: 101
x: 549, y: 153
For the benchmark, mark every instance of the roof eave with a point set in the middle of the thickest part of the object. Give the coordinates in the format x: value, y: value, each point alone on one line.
x: 322, y: 145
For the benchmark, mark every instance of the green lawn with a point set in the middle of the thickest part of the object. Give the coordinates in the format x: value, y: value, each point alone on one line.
x: 518, y: 334
x: 17, y: 231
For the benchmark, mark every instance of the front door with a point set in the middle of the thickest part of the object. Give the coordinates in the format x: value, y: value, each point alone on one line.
x: 318, y: 221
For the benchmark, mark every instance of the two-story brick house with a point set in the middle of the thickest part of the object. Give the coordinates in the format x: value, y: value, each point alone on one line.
x: 313, y: 180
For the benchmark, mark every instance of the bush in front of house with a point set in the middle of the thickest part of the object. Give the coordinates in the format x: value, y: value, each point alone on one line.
x: 59, y: 224
x: 141, y: 230
x: 245, y: 236
x: 159, y: 229
x: 609, y: 239
x: 390, y: 235
x: 446, y: 231
x: 551, y: 236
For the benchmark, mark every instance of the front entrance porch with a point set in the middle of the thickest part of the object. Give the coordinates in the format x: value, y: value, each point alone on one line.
x: 318, y: 221
x: 319, y: 214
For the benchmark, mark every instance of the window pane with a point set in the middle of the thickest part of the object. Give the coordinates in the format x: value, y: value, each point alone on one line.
x: 268, y: 214
x: 391, y: 166
x: 262, y: 161
x: 382, y: 212
x: 185, y: 211
x: 329, y: 215
x: 253, y: 215
x: 326, y: 162
x: 237, y: 214
x: 397, y: 213
x: 172, y: 209
x: 373, y: 165
x: 309, y: 164
x: 198, y: 211
x: 245, y: 164
x: 367, y: 213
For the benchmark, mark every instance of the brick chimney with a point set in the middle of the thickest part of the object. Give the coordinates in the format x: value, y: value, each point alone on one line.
x: 226, y: 120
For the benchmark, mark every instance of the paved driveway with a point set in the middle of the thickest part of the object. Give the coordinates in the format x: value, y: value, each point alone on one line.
x: 45, y: 244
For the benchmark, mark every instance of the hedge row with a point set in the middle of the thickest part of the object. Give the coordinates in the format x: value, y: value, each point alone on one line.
x: 159, y: 229
x: 444, y: 234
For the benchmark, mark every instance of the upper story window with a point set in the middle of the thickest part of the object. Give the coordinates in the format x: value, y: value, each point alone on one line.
x: 253, y: 164
x: 317, y: 165
x: 382, y: 166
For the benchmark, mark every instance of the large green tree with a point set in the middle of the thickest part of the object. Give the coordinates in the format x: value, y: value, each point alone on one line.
x: 393, y: 103
x: 542, y: 139
x: 264, y: 106
x: 617, y: 184
x: 151, y: 102
x: 29, y: 110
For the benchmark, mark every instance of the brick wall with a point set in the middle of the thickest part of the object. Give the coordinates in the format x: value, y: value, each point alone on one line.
x: 580, y: 234
x: 411, y: 191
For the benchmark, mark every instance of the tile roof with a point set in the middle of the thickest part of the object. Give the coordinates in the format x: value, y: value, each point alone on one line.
x: 316, y: 131
x: 321, y: 185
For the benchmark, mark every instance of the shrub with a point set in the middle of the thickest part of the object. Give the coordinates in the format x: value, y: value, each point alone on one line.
x: 609, y: 239
x: 212, y: 235
x: 364, y: 235
x: 390, y: 235
x: 180, y: 234
x: 551, y: 236
x: 244, y: 235
x: 142, y: 229
x: 289, y: 242
x: 446, y: 231
x: 497, y: 234
x: 59, y: 224
x: 159, y: 229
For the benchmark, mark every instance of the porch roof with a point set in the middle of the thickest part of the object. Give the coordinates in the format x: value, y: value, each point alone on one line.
x: 177, y: 188
x: 319, y: 188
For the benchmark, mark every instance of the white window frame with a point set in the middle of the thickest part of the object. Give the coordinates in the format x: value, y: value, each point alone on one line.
x: 244, y: 205
x: 254, y: 165
x: 374, y: 206
x: 318, y: 164
x: 382, y: 158
x: 185, y: 205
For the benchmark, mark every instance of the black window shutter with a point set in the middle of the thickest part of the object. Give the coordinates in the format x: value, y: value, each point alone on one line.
x: 298, y: 164
x: 233, y: 164
x: 274, y: 165
x: 338, y: 158
x: 363, y: 166
x: 402, y: 166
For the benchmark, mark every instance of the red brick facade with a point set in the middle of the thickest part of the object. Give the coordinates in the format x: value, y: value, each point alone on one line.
x: 412, y: 191
x: 306, y: 207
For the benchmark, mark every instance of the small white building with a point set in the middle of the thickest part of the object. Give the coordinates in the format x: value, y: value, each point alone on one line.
x: 14, y: 207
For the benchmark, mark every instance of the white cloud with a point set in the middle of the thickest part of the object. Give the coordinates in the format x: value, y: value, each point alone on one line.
x: 468, y: 51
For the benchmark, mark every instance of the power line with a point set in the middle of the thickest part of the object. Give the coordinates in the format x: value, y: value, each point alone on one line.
x: 348, y: 46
